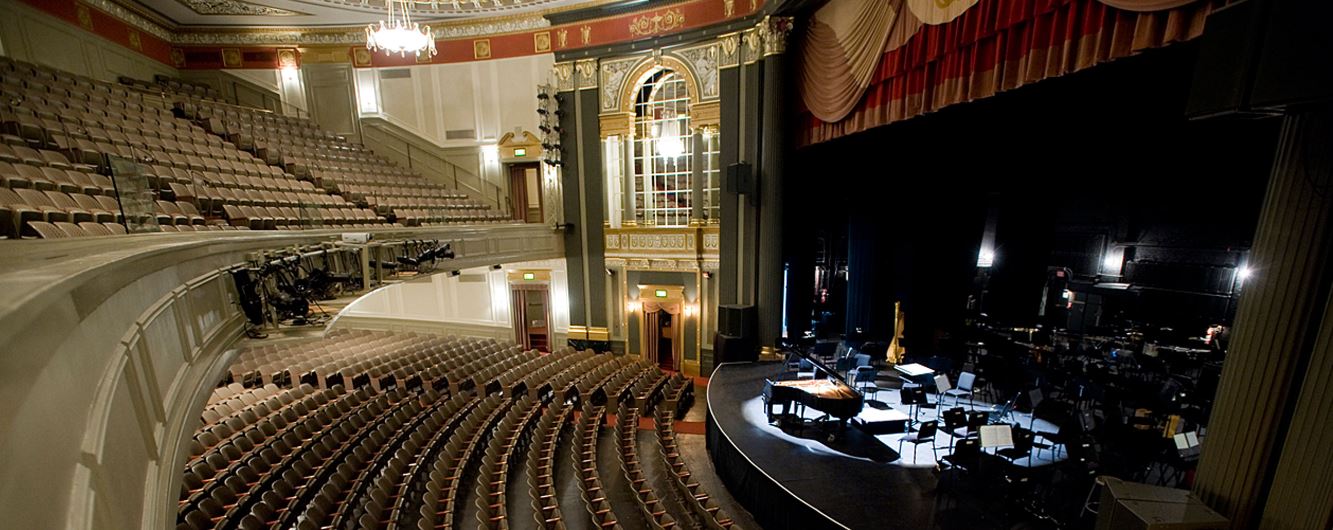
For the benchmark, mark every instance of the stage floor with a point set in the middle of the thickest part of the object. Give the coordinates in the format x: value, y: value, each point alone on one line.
x: 856, y: 481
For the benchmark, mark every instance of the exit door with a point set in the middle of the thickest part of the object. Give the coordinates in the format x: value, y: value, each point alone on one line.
x: 525, y: 192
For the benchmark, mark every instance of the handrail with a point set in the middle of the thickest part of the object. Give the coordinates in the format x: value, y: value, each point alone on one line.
x: 417, y: 153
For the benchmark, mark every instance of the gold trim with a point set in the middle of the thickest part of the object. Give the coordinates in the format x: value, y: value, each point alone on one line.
x: 481, y: 48
x: 651, y: 64
x: 541, y: 42
x: 707, y: 113
x: 616, y: 123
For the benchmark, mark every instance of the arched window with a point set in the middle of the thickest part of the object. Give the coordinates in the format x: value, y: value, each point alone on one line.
x: 664, y: 155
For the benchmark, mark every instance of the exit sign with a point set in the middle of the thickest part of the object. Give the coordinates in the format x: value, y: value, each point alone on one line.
x: 519, y: 151
x: 660, y: 293
x: 529, y: 276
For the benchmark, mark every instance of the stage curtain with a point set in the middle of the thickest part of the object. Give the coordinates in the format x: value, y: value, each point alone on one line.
x: 842, y: 48
x: 520, y: 310
x: 999, y: 45
x: 651, y: 322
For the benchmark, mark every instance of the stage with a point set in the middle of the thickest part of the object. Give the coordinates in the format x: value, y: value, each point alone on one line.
x: 796, y: 477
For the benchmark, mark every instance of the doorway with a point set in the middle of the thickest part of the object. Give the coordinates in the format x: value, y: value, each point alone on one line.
x: 531, y: 309
x: 662, y: 328
x: 525, y: 192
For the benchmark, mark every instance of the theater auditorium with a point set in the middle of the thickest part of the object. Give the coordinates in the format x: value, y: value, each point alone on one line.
x: 666, y: 264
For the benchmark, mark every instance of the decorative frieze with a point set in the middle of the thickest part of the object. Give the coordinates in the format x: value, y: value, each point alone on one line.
x: 236, y: 7
x: 585, y: 71
x: 657, y: 23
x: 752, y: 45
x: 703, y: 59
x: 613, y: 79
x: 729, y: 50
x: 564, y: 76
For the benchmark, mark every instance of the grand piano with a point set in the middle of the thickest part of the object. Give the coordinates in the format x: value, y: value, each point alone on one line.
x: 826, y: 392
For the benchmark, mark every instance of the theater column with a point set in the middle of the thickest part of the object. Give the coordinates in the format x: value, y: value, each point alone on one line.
x: 738, y: 74
x: 1265, y: 458
x: 583, y: 204
x: 773, y: 149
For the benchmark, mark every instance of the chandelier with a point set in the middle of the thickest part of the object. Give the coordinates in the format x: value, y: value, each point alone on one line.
x: 399, y: 34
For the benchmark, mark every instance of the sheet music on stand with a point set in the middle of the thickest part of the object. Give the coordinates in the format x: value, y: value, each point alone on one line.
x: 942, y: 384
x: 913, y: 370
x: 996, y: 436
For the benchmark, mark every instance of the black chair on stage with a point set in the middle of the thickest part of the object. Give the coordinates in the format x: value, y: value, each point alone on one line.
x: 954, y: 419
x: 1022, y: 445
x: 966, y: 456
x: 926, y: 434
x: 975, y: 420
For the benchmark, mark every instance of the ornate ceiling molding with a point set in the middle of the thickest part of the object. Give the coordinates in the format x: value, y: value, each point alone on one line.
x: 303, y: 37
x: 236, y: 7
x: 132, y: 18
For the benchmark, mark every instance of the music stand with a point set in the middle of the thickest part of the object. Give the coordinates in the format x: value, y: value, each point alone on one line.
x: 1036, y: 398
x: 996, y: 436
x: 913, y: 398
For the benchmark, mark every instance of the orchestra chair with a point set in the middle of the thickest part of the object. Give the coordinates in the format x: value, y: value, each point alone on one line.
x: 1022, y: 445
x: 926, y: 434
x: 966, y: 384
x: 864, y: 377
x: 954, y: 419
x: 966, y: 456
x: 975, y: 420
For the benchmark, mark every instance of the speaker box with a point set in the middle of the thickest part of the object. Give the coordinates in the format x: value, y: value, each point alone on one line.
x: 736, y: 320
x: 739, y: 178
x: 727, y: 348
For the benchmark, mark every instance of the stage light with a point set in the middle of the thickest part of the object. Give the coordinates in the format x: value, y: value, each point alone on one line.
x: 986, y: 257
x: 1110, y: 262
x: 1244, y: 273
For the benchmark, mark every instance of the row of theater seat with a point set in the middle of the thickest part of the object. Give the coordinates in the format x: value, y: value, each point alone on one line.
x: 308, y: 151
x: 405, y: 453
x: 57, y: 126
x: 60, y: 125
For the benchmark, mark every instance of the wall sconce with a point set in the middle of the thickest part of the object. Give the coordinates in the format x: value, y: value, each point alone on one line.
x: 691, y: 310
x: 633, y: 307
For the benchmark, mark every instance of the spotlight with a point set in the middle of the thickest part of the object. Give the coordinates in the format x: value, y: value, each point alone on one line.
x: 455, y: 273
x: 1111, y: 262
x: 1244, y: 273
x: 496, y: 267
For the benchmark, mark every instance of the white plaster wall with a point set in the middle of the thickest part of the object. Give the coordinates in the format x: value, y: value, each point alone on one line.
x: 445, y: 303
x: 487, y: 97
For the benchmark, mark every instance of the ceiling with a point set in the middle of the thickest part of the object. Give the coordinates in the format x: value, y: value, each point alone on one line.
x: 308, y: 13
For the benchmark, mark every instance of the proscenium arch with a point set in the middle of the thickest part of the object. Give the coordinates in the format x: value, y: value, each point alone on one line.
x: 649, y: 66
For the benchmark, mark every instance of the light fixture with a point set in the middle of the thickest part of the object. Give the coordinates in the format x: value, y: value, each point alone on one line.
x: 986, y: 257
x: 1244, y: 272
x: 667, y: 134
x: 633, y: 307
x: 1111, y: 263
x: 398, y: 34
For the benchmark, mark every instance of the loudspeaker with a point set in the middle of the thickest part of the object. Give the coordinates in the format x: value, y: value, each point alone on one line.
x: 736, y: 320
x: 727, y: 349
x: 739, y: 179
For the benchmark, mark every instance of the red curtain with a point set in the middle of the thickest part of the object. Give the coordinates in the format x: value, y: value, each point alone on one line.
x: 999, y: 45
